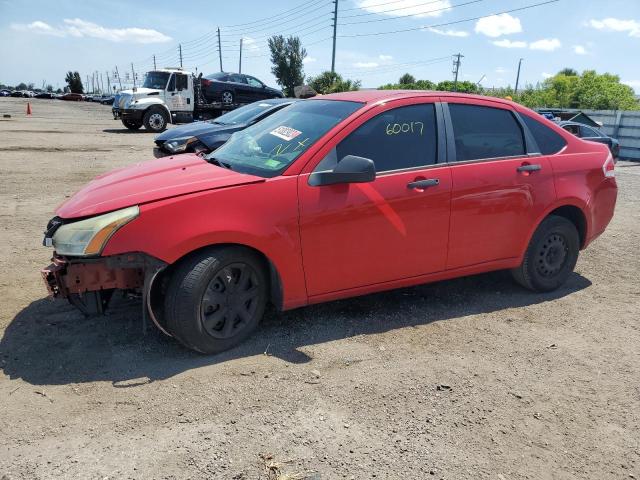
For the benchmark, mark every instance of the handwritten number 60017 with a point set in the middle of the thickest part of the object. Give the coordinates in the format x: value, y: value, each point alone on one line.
x: 409, y: 127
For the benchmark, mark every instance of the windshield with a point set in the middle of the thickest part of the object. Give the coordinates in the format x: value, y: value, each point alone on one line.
x: 244, y: 114
x: 217, y: 76
x: 157, y: 80
x: 270, y: 146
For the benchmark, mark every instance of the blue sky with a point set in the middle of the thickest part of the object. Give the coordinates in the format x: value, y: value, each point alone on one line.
x: 42, y: 41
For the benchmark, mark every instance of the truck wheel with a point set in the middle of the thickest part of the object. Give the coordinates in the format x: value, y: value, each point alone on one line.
x: 131, y: 125
x: 155, y: 120
x: 227, y: 97
x: 216, y: 298
x: 550, y: 257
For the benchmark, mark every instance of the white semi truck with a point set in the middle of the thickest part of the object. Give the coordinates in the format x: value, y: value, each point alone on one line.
x: 168, y: 95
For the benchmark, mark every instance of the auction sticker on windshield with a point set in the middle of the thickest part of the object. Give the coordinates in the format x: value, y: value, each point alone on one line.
x: 285, y: 133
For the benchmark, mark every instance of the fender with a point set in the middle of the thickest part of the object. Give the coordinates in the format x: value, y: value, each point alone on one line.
x: 148, y: 102
x: 561, y: 202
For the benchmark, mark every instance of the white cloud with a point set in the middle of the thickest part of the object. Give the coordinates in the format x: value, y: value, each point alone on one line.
x: 579, y: 50
x: 546, y: 44
x: 366, y: 64
x: 449, y: 33
x: 249, y: 43
x: 617, y: 25
x: 546, y: 75
x: 498, y: 25
x: 417, y: 8
x: 309, y: 60
x: 385, y: 58
x: 79, y: 28
x: 505, y: 43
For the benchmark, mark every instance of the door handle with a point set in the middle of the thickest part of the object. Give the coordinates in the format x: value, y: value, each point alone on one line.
x: 529, y: 168
x: 421, y: 184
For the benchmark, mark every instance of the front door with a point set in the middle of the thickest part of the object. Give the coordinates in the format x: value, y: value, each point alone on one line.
x: 395, y: 227
x: 499, y: 191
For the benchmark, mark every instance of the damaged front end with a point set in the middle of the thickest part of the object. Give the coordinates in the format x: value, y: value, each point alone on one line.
x: 88, y: 280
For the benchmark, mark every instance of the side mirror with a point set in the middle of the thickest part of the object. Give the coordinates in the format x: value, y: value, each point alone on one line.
x: 350, y: 169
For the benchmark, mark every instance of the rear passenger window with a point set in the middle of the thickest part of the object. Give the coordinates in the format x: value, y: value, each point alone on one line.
x: 404, y: 137
x: 549, y: 142
x: 485, y: 132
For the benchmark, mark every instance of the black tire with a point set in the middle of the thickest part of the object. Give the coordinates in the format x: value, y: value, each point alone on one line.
x: 155, y: 120
x: 550, y: 257
x: 216, y: 298
x: 227, y: 97
x: 131, y: 125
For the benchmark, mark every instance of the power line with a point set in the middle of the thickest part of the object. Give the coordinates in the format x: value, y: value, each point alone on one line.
x: 393, y: 9
x: 399, y: 17
x: 444, y: 24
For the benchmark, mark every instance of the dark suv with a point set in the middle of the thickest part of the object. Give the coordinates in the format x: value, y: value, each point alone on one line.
x: 236, y: 88
x: 586, y: 132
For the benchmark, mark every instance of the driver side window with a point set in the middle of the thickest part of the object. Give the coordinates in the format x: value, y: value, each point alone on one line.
x: 401, y: 138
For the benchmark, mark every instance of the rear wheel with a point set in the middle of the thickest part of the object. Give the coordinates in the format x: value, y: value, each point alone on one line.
x: 216, y: 298
x: 551, y: 255
x: 131, y: 125
x: 155, y: 120
x: 227, y: 97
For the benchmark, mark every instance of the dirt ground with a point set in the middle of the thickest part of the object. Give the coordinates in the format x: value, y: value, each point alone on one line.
x: 466, y: 379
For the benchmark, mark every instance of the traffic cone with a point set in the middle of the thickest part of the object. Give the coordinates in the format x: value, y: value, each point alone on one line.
x: 28, y: 108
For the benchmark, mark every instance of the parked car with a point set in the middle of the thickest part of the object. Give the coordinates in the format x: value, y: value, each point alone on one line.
x: 5, y: 93
x: 208, y: 135
x: 593, y: 135
x: 236, y: 88
x: 107, y: 100
x: 335, y: 196
x: 74, y: 97
x: 17, y: 93
x: 45, y: 95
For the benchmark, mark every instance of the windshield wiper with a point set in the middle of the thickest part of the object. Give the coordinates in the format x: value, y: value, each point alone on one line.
x: 217, y: 162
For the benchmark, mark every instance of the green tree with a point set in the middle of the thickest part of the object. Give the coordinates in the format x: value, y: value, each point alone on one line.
x: 74, y: 82
x: 569, y: 72
x: 287, y: 57
x: 407, y: 79
x: 416, y: 85
x: 463, y: 87
x: 21, y: 86
x: 603, y: 92
x: 332, y: 82
x: 49, y: 88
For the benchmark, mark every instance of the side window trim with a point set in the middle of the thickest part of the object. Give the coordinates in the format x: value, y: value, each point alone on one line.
x: 531, y: 147
x: 451, y: 144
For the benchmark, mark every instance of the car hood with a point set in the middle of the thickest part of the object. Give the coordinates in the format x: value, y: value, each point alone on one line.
x: 213, y: 139
x: 195, y: 130
x: 150, y: 181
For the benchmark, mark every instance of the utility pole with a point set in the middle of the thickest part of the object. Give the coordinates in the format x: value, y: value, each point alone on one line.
x: 456, y: 69
x: 240, y: 64
x: 86, y: 85
x: 154, y: 63
x: 219, y: 49
x: 108, y: 82
x: 517, y: 77
x: 335, y: 31
x: 133, y: 76
x: 118, y: 76
x: 180, y: 52
x: 101, y: 84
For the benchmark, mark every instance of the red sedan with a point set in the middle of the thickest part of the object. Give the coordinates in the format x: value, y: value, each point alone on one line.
x: 333, y: 197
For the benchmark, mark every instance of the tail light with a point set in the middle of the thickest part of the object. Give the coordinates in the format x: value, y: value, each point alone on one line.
x: 205, y: 82
x: 608, y: 168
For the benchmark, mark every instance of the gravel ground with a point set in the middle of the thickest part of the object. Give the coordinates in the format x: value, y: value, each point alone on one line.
x: 467, y: 379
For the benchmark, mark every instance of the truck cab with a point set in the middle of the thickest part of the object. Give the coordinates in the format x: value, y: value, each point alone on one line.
x: 166, y: 96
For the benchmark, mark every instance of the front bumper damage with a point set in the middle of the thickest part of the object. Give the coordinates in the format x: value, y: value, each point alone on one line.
x: 88, y: 283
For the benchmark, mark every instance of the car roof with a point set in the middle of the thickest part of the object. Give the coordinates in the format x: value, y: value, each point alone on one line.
x: 374, y: 96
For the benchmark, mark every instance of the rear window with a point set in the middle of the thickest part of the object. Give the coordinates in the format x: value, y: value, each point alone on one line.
x: 485, y: 132
x: 549, y: 142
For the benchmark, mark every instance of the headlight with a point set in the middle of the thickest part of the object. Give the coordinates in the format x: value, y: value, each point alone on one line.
x: 88, y: 237
x: 179, y: 145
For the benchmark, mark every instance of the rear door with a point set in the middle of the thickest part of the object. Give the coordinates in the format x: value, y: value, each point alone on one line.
x: 396, y: 227
x: 499, y: 190
x: 243, y: 92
